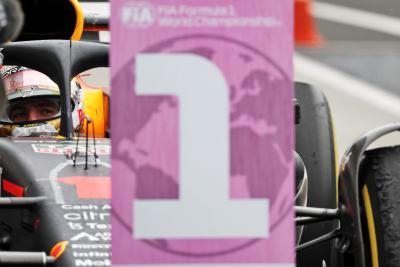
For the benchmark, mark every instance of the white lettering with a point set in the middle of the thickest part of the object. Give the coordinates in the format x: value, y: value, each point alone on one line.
x: 86, y: 236
x: 89, y: 262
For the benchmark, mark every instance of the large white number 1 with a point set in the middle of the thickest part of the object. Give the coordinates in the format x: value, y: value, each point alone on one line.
x: 203, y: 209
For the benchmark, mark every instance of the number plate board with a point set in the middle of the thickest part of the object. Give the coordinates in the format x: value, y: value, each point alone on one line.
x: 202, y: 133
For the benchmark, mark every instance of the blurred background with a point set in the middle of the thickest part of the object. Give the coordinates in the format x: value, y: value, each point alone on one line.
x: 350, y: 50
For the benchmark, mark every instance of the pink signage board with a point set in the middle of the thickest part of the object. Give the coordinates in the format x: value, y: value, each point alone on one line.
x: 202, y: 133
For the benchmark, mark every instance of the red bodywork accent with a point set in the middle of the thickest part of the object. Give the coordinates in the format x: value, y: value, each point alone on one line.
x: 36, y: 224
x: 13, y: 189
x: 96, y: 28
x: 58, y: 249
x: 94, y: 187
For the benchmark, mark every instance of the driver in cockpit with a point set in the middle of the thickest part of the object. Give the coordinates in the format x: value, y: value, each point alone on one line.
x: 34, y: 107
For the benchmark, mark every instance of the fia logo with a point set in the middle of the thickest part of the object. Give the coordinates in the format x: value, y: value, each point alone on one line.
x: 137, y: 14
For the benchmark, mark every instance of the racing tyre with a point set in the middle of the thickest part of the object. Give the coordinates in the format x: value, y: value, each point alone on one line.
x: 380, y: 206
x: 315, y: 144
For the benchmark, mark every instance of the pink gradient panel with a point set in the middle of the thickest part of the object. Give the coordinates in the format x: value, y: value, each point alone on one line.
x: 251, y: 43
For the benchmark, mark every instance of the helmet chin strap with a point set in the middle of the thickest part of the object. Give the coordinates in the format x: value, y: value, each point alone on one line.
x: 42, y: 129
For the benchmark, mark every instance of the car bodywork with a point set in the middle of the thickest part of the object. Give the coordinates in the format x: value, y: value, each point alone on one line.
x: 66, y: 181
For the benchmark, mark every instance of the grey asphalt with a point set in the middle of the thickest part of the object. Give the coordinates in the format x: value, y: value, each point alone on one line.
x: 369, y: 55
x: 376, y: 62
x: 387, y: 7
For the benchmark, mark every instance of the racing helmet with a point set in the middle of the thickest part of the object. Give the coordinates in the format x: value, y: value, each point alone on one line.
x: 28, y: 90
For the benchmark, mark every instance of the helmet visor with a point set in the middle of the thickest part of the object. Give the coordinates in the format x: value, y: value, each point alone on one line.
x: 32, y: 109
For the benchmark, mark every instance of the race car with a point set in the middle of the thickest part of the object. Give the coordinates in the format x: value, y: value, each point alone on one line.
x: 55, y: 191
x: 355, y: 222
x: 64, y: 220
x: 44, y: 179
